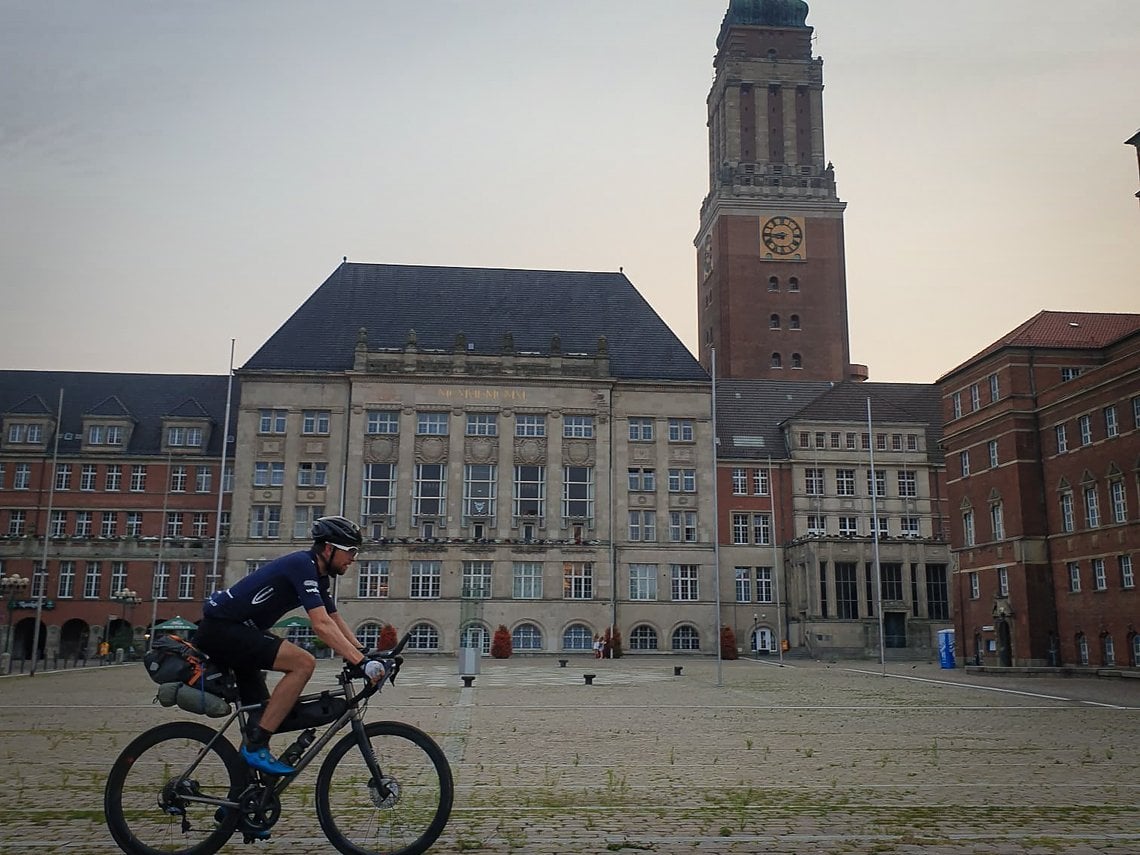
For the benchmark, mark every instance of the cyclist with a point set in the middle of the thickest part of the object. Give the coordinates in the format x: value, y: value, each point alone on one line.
x: 235, y: 623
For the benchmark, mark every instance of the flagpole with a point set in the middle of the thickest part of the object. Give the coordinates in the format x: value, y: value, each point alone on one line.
x: 161, y: 544
x: 776, y: 564
x: 47, y: 539
x: 875, y: 531
x: 212, y: 582
x: 716, y: 527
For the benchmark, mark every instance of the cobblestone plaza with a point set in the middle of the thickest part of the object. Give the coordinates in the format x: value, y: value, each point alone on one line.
x: 811, y: 757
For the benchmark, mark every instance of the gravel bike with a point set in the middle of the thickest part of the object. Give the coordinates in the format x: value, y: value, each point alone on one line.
x: 384, y: 789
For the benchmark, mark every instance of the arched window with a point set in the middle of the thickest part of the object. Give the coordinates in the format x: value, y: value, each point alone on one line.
x: 797, y: 361
x: 686, y: 638
x: 773, y: 283
x: 476, y: 635
x: 643, y: 637
x: 794, y: 322
x: 774, y: 322
x: 1082, y: 649
x: 1135, y: 649
x: 1108, y: 650
x: 777, y: 362
x: 424, y: 637
x: 577, y: 637
x: 526, y: 636
x: 793, y: 283
x: 369, y: 634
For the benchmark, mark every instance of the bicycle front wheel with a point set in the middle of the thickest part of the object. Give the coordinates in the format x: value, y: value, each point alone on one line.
x: 156, y: 795
x: 404, y: 811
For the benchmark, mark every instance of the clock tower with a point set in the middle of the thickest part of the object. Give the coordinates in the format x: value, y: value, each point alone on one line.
x: 772, y: 291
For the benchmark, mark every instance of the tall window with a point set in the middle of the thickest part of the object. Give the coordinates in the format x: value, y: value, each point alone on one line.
x: 1092, y: 507
x: 643, y: 525
x: 1003, y: 581
x: 17, y: 522
x: 477, y: 579
x: 813, y: 482
x: 63, y: 476
x: 743, y: 577
x: 315, y: 422
x: 846, y: 590
x: 685, y: 582
x: 527, y: 580
x: 530, y: 424
x: 379, y: 485
x: 578, y: 580
x: 908, y: 482
x: 643, y: 581
x: 161, y: 588
x: 118, y: 576
x: 530, y: 491
x: 66, y: 589
x: 1062, y: 439
x: 178, y: 479
x: 1100, y: 578
x: 739, y: 529
x: 372, y: 580
x: 975, y: 585
x: 187, y: 577
x: 683, y: 526
x: 968, y: 528
x: 997, y: 521
x: 1084, y: 423
x: 937, y: 592
x: 482, y: 424
x: 1067, y: 517
x: 760, y: 486
x: 201, y: 524
x: 956, y: 404
x: 429, y: 494
x: 975, y: 397
x: 84, y: 520
x: 383, y: 422
x: 1119, y: 502
x: 425, y: 576
x: 764, y: 587
x: 22, y: 476
x: 134, y: 523
x: 845, y: 482
x: 110, y: 524
x: 87, y: 477
x: 1127, y: 579
x: 761, y: 529
x: 892, y: 581
x: 58, y: 524
x: 1074, y: 577
x: 964, y: 463
x: 992, y: 448
x: 1111, y: 426
x: 578, y: 492
x: 878, y: 484
x: 995, y: 390
x: 739, y: 481
x: 479, y: 488
x: 203, y: 479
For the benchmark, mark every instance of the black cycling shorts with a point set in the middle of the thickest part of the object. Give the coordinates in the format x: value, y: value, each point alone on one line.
x: 245, y: 650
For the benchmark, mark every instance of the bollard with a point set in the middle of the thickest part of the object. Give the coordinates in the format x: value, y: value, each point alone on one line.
x: 589, y: 679
x: 677, y: 670
x: 562, y: 663
x: 468, y: 679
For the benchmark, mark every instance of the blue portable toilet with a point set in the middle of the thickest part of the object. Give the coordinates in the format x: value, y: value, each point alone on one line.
x: 946, y: 648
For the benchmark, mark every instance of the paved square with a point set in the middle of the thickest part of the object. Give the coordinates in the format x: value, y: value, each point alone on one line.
x: 810, y: 757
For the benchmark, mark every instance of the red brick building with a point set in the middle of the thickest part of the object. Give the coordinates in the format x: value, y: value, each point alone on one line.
x: 1042, y: 444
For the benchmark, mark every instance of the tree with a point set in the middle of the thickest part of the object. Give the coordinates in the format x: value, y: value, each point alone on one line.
x: 501, y: 643
x: 727, y: 643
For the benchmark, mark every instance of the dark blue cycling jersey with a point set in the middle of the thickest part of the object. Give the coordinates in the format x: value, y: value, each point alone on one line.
x: 268, y: 593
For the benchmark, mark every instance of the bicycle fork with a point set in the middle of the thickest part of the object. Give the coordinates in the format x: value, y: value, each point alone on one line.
x: 385, y: 790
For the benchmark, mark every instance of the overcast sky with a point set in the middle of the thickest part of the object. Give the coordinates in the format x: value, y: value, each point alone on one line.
x: 174, y: 175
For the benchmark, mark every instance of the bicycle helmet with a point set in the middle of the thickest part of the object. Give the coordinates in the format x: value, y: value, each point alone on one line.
x: 339, y: 530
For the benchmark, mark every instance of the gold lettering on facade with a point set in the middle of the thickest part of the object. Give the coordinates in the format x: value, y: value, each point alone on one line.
x: 468, y: 393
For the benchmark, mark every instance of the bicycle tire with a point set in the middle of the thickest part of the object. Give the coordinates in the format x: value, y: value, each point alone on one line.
x: 358, y: 819
x: 144, y: 768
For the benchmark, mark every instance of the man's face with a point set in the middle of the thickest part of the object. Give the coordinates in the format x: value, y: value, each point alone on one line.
x: 339, y: 558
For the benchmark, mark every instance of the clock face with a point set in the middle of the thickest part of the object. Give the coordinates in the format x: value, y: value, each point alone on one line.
x: 707, y: 255
x: 782, y: 235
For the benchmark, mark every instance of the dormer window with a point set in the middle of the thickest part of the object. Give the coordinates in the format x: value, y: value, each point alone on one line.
x: 22, y: 433
x: 184, y: 437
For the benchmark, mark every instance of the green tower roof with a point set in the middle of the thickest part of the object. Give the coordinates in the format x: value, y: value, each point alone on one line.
x: 766, y: 13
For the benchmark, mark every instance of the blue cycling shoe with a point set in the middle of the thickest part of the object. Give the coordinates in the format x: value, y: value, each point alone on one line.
x: 263, y: 761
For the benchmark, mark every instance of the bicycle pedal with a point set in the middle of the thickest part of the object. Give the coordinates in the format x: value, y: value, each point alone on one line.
x: 260, y: 837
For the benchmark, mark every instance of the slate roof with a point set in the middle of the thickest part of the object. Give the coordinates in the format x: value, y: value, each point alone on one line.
x: 143, y: 397
x: 388, y: 300
x: 749, y: 414
x: 1062, y: 330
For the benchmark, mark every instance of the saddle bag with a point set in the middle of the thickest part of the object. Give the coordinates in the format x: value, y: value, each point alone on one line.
x: 172, y: 659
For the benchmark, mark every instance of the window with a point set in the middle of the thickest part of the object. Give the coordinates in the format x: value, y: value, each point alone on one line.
x: 682, y: 480
x: 975, y: 586
x: 1084, y: 423
x: 642, y: 480
x: 110, y: 525
x: 1003, y: 581
x: 743, y: 577
x: 268, y: 473
x: 1067, y: 519
x: 956, y: 404
x: 58, y: 524
x: 684, y: 582
x: 640, y: 430
x: 429, y: 492
x: 997, y: 521
x: 17, y: 520
x: 1069, y: 372
x: 964, y: 462
x: 578, y: 427
x: 1136, y: 414
x: 850, y: 442
x: 1082, y: 649
x: 739, y: 529
x: 739, y: 482
x: 138, y: 478
x: 578, y: 492
x: 303, y: 518
x: 813, y: 482
x: 890, y: 576
x: 477, y: 579
x: 66, y: 588
x: 937, y: 592
x: 848, y: 526
x: 1100, y: 579
x: 480, y: 484
x: 312, y: 474
x: 820, y: 439
x: 777, y: 361
x: 431, y: 424
x: 1111, y: 426
x: 186, y: 581
x: 896, y: 442
x: 764, y: 585
x: 482, y: 424
x: 104, y: 435
x: 383, y: 422
x: 1109, y: 649
x: 992, y: 447
x: 578, y: 580
x: 118, y: 576
x: 228, y: 478
x: 63, y: 476
x: 271, y: 421
x: 1074, y: 577
x: 908, y: 482
x: 83, y: 522
x: 265, y: 521
x: 845, y: 482
x: 878, y: 485
x: 134, y: 523
x: 793, y: 283
x: 425, y: 576
x: 315, y: 422
x: 995, y: 391
x: 160, y: 589
x: 372, y: 580
x: 201, y: 524
x: 1127, y: 579
x: 22, y: 476
x: 683, y: 526
x: 773, y: 283
x: 680, y: 430
x: 805, y: 439
x: 379, y: 490
x: 794, y: 322
x: 87, y: 477
x: 203, y: 479
x: 1062, y: 439
x: 530, y: 491
x: 686, y: 638
x: 174, y: 524
x: 816, y: 524
x: 975, y: 398
x: 774, y: 322
x: 184, y: 437
x: 178, y: 479
x: 527, y: 580
x: 968, y: 528
x: 760, y: 486
x: 643, y: 581
x: 846, y: 590
x: 909, y: 526
x: 530, y: 424
x: 643, y: 525
x: 526, y: 636
x: 1119, y: 502
x: 879, y: 524
x: 881, y: 441
x: 424, y: 637
x: 761, y: 529
x: 1092, y: 507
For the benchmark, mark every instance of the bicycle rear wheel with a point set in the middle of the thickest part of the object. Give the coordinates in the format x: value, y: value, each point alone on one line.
x: 401, y: 814
x: 149, y: 791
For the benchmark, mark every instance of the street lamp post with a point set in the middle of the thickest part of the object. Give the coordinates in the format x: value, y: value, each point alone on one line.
x: 128, y: 599
x: 10, y: 586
